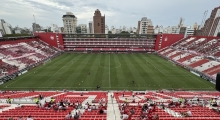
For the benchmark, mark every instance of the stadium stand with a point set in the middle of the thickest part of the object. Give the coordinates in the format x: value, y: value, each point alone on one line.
x: 132, y: 105
x: 111, y: 44
x: 191, y: 52
x: 197, y: 53
x: 19, y: 56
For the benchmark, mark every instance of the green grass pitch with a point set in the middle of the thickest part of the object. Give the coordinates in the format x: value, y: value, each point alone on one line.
x: 110, y: 71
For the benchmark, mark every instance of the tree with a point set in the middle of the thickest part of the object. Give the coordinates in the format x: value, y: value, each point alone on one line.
x: 47, y: 30
x: 124, y: 32
x: 109, y: 32
x: 15, y: 35
x: 218, y: 35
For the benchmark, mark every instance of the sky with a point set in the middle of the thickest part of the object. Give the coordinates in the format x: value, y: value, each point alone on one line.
x: 117, y: 12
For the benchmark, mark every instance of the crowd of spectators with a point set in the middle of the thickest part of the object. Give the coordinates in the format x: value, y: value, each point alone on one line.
x: 7, y: 68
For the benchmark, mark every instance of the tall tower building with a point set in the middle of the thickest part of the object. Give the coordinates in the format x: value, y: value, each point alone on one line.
x: 69, y: 23
x: 212, y: 24
x: 5, y: 28
x: 145, y: 26
x: 98, y: 22
x: 91, y: 30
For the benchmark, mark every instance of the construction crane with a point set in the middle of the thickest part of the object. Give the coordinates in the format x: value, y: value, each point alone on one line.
x: 203, y: 19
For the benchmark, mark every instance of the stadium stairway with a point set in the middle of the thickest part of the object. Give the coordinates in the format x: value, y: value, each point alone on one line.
x: 171, y: 112
x: 49, y: 97
x: 113, y: 112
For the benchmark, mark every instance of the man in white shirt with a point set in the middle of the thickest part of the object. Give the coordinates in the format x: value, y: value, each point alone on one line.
x: 189, y: 113
x: 124, y: 116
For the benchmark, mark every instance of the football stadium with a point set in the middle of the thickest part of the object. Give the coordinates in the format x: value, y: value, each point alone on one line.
x: 68, y: 76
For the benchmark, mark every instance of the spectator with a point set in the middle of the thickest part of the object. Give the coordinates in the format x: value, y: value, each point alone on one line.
x: 156, y: 117
x: 20, y: 118
x: 101, y: 111
x: 9, y: 100
x: 20, y: 106
x: 68, y: 116
x: 79, y: 113
x: 29, y: 118
x: 124, y: 116
x: 10, y: 118
x: 189, y: 113
x: 76, y: 116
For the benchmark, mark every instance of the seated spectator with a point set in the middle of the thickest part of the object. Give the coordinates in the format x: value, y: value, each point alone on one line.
x: 10, y: 118
x: 89, y: 109
x: 79, y: 113
x: 68, y: 116
x: 186, y: 114
x: 189, y: 113
x: 156, y: 117
x: 132, y: 111
x: 20, y: 106
x: 105, y: 111
x: 76, y: 116
x: 124, y: 116
x: 101, y: 111
x: 216, y: 110
x: 20, y: 118
x: 29, y: 118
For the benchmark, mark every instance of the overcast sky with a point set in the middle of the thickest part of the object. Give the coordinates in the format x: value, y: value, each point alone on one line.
x: 117, y: 12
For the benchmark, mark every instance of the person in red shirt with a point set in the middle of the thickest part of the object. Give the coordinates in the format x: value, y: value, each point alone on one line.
x: 149, y: 116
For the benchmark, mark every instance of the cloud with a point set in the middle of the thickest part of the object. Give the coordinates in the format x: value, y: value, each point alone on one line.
x: 117, y: 12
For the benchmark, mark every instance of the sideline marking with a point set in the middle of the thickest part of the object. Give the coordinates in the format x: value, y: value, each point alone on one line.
x: 109, y: 73
x: 163, y: 72
x: 190, y: 88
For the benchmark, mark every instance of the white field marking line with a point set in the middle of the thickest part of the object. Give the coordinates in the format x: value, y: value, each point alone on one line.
x: 164, y: 73
x: 174, y: 67
x: 108, y: 67
x: 109, y: 72
x: 182, y: 75
x: 63, y: 66
x: 199, y: 80
x: 109, y: 87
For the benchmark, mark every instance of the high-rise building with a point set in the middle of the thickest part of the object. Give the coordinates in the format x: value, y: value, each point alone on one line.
x: 99, y: 22
x: 36, y: 27
x: 138, y: 27
x: 145, y: 26
x: 5, y: 28
x: 54, y: 28
x: 158, y: 29
x: 81, y: 28
x: 212, y: 24
x: 106, y: 29
x: 69, y: 23
x: 91, y: 30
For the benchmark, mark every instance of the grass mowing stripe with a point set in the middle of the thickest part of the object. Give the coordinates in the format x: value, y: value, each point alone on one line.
x: 109, y: 78
x: 111, y: 71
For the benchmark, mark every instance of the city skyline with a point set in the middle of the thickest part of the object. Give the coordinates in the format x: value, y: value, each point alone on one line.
x: 49, y: 12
